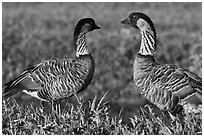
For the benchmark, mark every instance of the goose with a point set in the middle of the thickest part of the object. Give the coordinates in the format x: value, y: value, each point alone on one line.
x: 57, y: 79
x: 165, y: 85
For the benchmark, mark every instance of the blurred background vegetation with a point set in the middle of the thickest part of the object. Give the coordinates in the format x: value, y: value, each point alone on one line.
x: 35, y: 32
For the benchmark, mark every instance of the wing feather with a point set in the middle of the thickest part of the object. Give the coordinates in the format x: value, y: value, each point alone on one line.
x: 53, y: 79
x: 24, y: 81
x: 166, y: 85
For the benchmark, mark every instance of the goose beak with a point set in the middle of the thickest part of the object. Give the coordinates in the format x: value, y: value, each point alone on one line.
x: 126, y: 21
x: 97, y: 27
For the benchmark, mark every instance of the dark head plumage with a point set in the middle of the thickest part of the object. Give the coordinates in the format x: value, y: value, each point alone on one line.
x: 87, y: 24
x: 134, y: 17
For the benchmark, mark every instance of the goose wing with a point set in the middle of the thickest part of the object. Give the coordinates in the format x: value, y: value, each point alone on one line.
x: 50, y: 80
x: 166, y: 85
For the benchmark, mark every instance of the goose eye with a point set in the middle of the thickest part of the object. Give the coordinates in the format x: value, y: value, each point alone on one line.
x: 91, y: 23
x: 134, y: 17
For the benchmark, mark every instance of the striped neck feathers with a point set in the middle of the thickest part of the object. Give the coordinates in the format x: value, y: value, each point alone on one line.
x: 148, y: 42
x: 80, y: 44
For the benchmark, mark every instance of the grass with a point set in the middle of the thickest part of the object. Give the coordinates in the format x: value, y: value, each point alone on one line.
x: 34, y: 32
x: 92, y: 118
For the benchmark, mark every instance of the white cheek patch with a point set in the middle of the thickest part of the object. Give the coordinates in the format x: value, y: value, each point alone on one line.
x: 142, y: 24
x: 86, y: 28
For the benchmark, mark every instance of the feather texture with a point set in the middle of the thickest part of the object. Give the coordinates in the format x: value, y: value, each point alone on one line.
x: 167, y: 86
x: 164, y: 85
x: 56, y: 79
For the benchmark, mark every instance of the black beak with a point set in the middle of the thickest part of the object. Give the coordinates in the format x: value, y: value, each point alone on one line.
x: 126, y: 21
x: 97, y: 27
